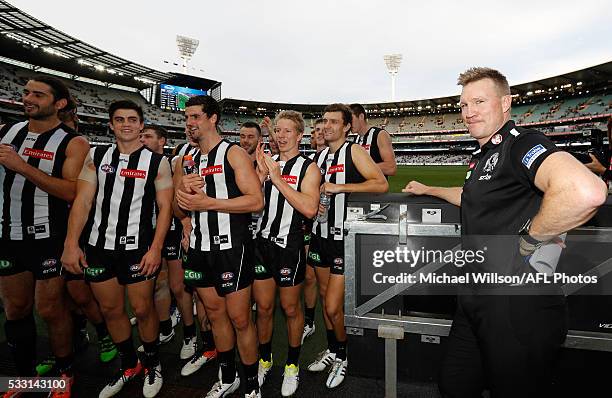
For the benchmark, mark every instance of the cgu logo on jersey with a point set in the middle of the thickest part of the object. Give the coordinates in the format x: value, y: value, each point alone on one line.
x: 217, y: 169
x: 339, y: 168
x: 289, y: 179
x: 38, y: 154
x: 129, y: 173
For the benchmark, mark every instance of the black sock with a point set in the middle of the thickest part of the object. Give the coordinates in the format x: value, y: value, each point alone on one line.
x: 208, y: 341
x: 250, y: 373
x: 165, y: 327
x: 309, y: 316
x: 64, y: 364
x: 79, y: 321
x: 101, y: 330
x: 127, y: 353
x: 189, y: 331
x: 227, y: 363
x: 341, y: 352
x: 265, y: 351
x: 331, y: 340
x: 151, y: 353
x: 293, y: 355
x: 21, y: 338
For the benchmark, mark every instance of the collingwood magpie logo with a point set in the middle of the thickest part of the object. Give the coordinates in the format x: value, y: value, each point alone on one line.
x: 489, y: 167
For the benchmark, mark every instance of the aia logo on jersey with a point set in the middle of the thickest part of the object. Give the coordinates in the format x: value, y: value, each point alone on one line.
x: 217, y: 169
x: 107, y: 168
x: 290, y: 179
x: 339, y: 168
x: 226, y: 276
x: 38, y: 154
x: 129, y: 173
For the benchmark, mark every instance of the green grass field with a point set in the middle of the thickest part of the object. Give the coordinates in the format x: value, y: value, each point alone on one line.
x: 443, y: 176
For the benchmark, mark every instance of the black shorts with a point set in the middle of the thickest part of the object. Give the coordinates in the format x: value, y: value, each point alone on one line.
x: 121, y: 264
x: 41, y: 257
x: 226, y: 270
x: 307, y: 232
x: 286, y: 266
x: 327, y: 253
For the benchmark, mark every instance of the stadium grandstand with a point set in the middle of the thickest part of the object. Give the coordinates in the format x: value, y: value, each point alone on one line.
x: 424, y: 132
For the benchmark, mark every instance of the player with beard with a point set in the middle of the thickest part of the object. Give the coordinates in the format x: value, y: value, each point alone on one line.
x: 220, y: 197
x: 39, y: 163
x: 123, y: 245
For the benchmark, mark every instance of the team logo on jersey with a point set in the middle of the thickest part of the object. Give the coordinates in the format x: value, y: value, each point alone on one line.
x: 107, y: 168
x: 339, y: 168
x: 289, y: 179
x: 38, y: 154
x: 217, y: 169
x: 491, y: 163
x: 285, y: 271
x: 226, y: 276
x: 497, y: 139
x: 130, y: 173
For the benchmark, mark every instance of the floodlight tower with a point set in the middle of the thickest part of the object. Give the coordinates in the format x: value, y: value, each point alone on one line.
x: 393, y: 62
x: 186, y: 47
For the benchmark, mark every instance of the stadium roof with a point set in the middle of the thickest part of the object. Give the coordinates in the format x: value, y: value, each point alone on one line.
x: 25, y: 38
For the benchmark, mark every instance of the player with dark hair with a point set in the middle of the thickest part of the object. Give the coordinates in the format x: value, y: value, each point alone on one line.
x: 220, y: 196
x: 346, y: 168
x: 118, y: 188
x: 376, y: 141
x: 40, y: 160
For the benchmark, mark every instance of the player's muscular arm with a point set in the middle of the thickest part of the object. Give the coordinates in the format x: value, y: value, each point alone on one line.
x: 63, y: 188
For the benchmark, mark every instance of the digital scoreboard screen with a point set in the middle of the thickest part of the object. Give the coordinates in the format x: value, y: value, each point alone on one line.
x: 174, y: 97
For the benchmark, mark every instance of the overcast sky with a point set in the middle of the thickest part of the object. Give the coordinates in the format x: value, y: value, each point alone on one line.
x: 314, y: 51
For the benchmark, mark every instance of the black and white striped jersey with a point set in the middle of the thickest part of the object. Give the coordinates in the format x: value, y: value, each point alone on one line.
x: 280, y: 222
x: 254, y: 216
x: 26, y: 211
x: 369, y: 142
x: 186, y: 149
x: 213, y: 230
x: 337, y: 168
x: 121, y: 217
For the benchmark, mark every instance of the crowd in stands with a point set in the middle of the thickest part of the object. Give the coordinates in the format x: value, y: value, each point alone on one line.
x: 430, y: 159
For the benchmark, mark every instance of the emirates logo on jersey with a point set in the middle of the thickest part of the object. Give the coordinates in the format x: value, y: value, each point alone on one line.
x: 38, y: 154
x: 290, y: 179
x: 339, y: 168
x: 129, y: 173
x: 366, y: 146
x: 217, y: 169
